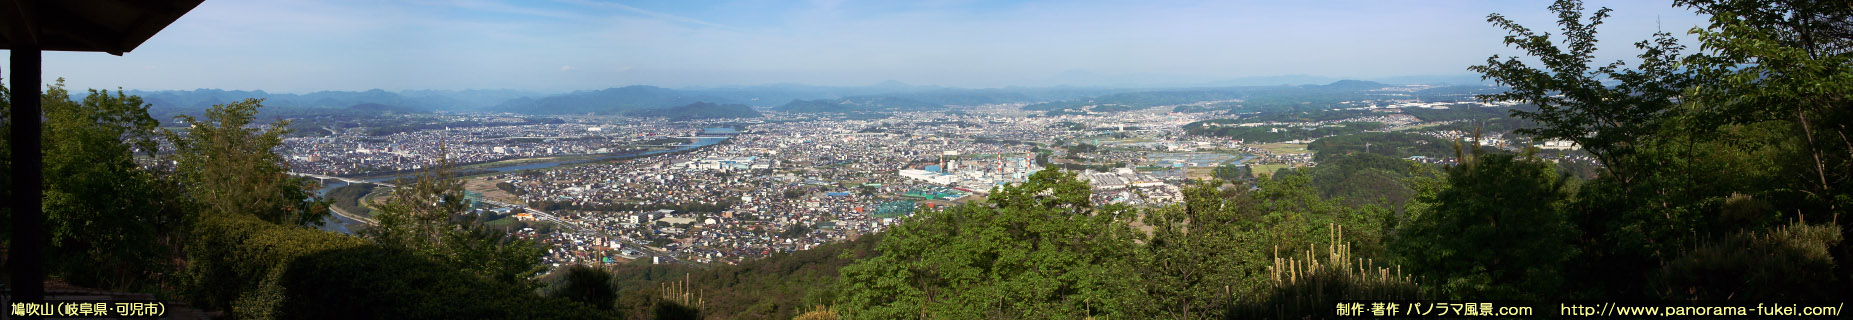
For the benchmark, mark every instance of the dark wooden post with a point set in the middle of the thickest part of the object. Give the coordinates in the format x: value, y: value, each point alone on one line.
x: 26, y: 257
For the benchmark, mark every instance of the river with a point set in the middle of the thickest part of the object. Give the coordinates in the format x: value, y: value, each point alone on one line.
x: 337, y: 223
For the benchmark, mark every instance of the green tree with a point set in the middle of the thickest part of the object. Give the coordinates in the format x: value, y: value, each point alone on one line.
x: 1788, y: 62
x: 1790, y: 262
x: 1232, y: 172
x: 1305, y: 285
x: 1626, y: 221
x: 582, y: 283
x: 1495, y: 231
x: 1573, y: 101
x: 1210, y: 256
x: 1698, y: 149
x: 1292, y: 218
x: 1036, y: 249
x: 112, y: 223
x: 229, y: 167
x: 428, y: 214
x: 1202, y: 256
x: 1767, y: 165
x: 1367, y: 178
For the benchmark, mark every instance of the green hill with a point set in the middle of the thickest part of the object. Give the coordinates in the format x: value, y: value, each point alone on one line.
x: 607, y: 101
x: 859, y: 104
x: 700, y: 110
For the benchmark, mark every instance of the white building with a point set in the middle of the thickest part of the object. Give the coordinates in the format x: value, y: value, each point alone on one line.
x: 929, y: 176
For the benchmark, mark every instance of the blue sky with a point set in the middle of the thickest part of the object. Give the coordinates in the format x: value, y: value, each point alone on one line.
x: 564, y: 45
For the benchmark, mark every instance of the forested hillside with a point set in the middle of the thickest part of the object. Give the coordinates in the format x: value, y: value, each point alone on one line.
x: 223, y: 227
x: 698, y: 111
x: 612, y: 101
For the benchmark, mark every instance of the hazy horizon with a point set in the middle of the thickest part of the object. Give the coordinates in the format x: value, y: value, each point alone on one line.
x: 293, y: 46
x: 1276, y: 80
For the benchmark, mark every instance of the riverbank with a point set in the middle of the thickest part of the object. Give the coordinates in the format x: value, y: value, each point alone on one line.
x: 509, y: 165
x: 475, y: 167
x: 341, y: 221
x: 358, y: 218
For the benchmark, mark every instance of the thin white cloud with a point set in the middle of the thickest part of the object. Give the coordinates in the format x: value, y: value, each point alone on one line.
x: 505, y: 7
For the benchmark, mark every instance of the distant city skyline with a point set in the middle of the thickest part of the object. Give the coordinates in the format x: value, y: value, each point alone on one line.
x: 297, y: 46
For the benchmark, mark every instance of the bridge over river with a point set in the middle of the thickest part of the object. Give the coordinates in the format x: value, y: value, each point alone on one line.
x: 701, y: 140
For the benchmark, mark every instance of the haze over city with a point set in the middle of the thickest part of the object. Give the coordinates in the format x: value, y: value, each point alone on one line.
x: 557, y: 46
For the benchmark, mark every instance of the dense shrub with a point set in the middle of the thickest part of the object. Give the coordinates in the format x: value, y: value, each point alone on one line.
x: 1314, y: 282
x: 374, y: 282
x: 819, y: 313
x: 584, y: 284
x: 778, y: 286
x: 261, y: 270
x: 1788, y: 262
x: 234, y: 260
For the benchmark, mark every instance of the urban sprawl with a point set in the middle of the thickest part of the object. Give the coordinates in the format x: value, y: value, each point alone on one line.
x: 616, y: 189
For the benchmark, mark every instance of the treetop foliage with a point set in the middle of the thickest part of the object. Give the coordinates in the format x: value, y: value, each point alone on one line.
x: 229, y: 167
x: 429, y: 214
x: 1574, y: 101
x: 1037, y: 249
x: 110, y: 222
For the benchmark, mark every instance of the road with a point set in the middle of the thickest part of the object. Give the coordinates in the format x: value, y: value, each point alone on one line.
x: 348, y: 180
x: 367, y: 220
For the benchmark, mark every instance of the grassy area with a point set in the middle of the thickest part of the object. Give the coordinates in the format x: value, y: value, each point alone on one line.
x: 488, y: 189
x: 1283, y: 148
x: 1420, y: 126
x: 353, y: 198
x: 511, y: 162
x: 481, y: 174
x: 1199, y: 173
x: 1267, y: 169
x: 576, y: 160
x: 372, y: 200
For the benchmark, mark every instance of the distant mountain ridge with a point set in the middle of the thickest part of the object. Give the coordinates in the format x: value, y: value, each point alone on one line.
x: 1236, y: 99
x: 859, y: 104
x: 890, y: 96
x: 425, y: 101
x: 813, y: 106
x: 700, y: 110
x: 375, y: 107
x: 1351, y: 85
x: 613, y: 101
